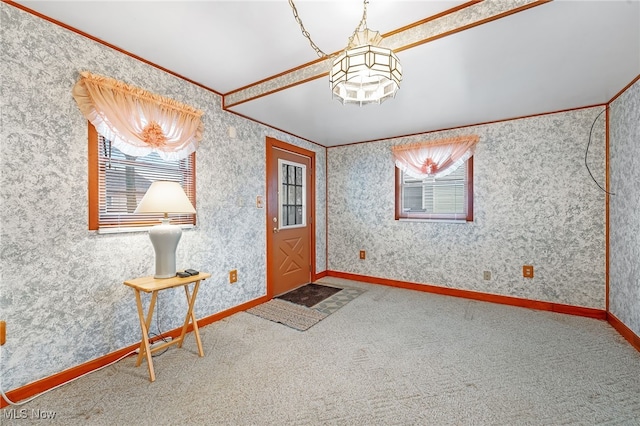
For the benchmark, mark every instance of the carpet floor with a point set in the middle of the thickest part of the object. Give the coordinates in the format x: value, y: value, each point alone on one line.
x: 388, y: 357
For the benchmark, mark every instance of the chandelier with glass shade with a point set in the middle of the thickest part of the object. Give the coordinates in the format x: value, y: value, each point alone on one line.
x: 365, y: 72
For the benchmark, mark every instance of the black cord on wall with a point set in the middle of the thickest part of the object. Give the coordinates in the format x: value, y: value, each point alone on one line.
x: 158, y: 327
x: 586, y: 154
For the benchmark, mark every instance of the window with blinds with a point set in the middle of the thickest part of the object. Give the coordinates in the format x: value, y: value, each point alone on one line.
x: 117, y: 183
x: 448, y: 198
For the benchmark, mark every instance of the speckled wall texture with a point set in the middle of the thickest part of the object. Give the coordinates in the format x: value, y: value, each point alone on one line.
x: 61, y: 289
x: 534, y: 204
x: 624, y: 214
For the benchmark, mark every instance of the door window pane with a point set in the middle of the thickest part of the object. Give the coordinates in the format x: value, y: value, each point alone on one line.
x: 291, y: 198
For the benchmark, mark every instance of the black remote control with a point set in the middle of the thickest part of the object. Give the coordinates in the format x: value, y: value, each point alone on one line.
x: 191, y: 271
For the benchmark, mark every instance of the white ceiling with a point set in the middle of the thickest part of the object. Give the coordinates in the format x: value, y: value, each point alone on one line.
x: 551, y: 57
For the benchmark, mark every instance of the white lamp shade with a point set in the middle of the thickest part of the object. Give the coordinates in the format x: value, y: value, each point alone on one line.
x: 165, y: 197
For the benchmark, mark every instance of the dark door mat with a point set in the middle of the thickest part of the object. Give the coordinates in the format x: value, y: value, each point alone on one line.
x: 309, y: 295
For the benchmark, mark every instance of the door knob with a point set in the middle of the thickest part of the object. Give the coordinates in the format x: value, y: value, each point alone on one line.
x: 275, y: 230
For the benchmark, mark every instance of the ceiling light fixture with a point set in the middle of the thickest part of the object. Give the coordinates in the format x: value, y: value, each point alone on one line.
x: 364, y: 73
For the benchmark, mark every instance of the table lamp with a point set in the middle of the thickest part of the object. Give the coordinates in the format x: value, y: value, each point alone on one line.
x: 165, y: 197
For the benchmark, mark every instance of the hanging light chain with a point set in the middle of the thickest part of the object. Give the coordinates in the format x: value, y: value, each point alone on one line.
x: 321, y: 54
x: 362, y: 25
x: 305, y: 33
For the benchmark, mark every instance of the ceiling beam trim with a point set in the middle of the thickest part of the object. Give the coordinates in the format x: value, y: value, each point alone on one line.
x: 413, y: 35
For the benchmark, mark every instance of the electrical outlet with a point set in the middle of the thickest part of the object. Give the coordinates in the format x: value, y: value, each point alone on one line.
x: 363, y: 254
x: 233, y: 276
x: 527, y: 271
x: 3, y: 333
x: 487, y: 275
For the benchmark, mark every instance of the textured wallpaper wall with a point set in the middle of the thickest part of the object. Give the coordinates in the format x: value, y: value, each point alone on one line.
x: 61, y: 289
x: 624, y: 213
x: 535, y: 204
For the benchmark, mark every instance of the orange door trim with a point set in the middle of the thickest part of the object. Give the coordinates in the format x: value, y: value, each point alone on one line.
x: 275, y: 146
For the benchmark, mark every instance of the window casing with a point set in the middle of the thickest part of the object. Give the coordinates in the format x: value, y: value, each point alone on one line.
x: 292, y: 206
x: 446, y: 198
x: 117, y: 183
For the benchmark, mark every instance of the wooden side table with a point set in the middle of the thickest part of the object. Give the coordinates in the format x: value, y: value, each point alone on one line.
x: 153, y: 286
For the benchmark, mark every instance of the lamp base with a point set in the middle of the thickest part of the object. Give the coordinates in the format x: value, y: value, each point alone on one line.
x: 165, y: 238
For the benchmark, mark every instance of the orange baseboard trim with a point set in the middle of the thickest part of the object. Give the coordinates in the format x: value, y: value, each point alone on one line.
x: 474, y: 295
x: 624, y: 331
x: 50, y: 382
x: 320, y: 275
x: 227, y: 313
x: 42, y: 385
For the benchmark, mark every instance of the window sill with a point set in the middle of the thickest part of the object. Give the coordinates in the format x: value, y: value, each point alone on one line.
x: 133, y: 229
x: 403, y: 219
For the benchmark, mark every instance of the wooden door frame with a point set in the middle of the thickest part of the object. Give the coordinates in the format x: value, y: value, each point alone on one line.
x: 272, y: 188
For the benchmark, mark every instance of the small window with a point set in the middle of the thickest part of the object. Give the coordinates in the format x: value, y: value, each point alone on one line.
x: 117, y: 183
x: 292, y: 202
x: 446, y: 198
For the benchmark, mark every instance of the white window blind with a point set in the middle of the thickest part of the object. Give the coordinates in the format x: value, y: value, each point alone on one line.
x: 437, y: 198
x: 123, y: 180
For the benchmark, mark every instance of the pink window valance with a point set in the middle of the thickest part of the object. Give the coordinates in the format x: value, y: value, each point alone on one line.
x: 138, y: 122
x: 434, y: 158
